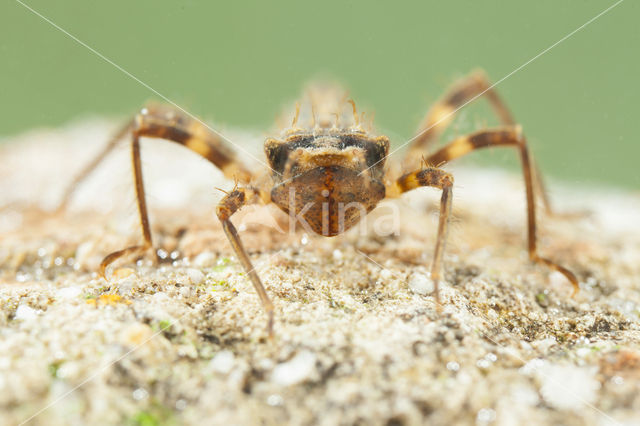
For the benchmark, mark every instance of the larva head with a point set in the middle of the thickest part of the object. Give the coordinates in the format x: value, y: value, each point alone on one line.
x: 329, y: 180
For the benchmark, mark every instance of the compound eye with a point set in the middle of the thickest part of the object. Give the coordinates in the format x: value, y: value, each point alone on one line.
x: 277, y: 153
x: 377, y: 151
x: 383, y: 141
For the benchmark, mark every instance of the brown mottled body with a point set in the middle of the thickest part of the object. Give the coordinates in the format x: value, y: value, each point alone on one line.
x: 328, y: 171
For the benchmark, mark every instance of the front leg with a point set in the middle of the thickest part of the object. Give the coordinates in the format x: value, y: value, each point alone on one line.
x: 230, y: 204
x: 437, y: 178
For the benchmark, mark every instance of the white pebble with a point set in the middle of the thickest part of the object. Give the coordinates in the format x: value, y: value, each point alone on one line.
x: 128, y: 284
x: 160, y: 297
x: 82, y: 252
x: 223, y: 362
x: 559, y: 282
x: 617, y: 380
x: 583, y: 352
x: 204, y: 259
x: 544, y: 344
x: 524, y: 395
x: 294, y: 371
x: 532, y: 366
x: 483, y: 363
x: 275, y: 400
x: 420, y: 284
x: 68, y: 292
x: 485, y: 415
x: 195, y: 276
x: 140, y: 394
x: 386, y: 274
x: 25, y: 312
x: 567, y: 387
x: 186, y: 292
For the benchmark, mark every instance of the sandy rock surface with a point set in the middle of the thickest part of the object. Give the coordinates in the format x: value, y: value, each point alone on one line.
x: 357, y: 338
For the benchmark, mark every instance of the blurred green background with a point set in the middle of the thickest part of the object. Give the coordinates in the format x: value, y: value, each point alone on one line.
x: 238, y: 63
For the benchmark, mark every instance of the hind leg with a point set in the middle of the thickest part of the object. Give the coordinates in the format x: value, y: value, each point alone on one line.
x: 509, y: 137
x: 167, y: 123
x: 441, y: 114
